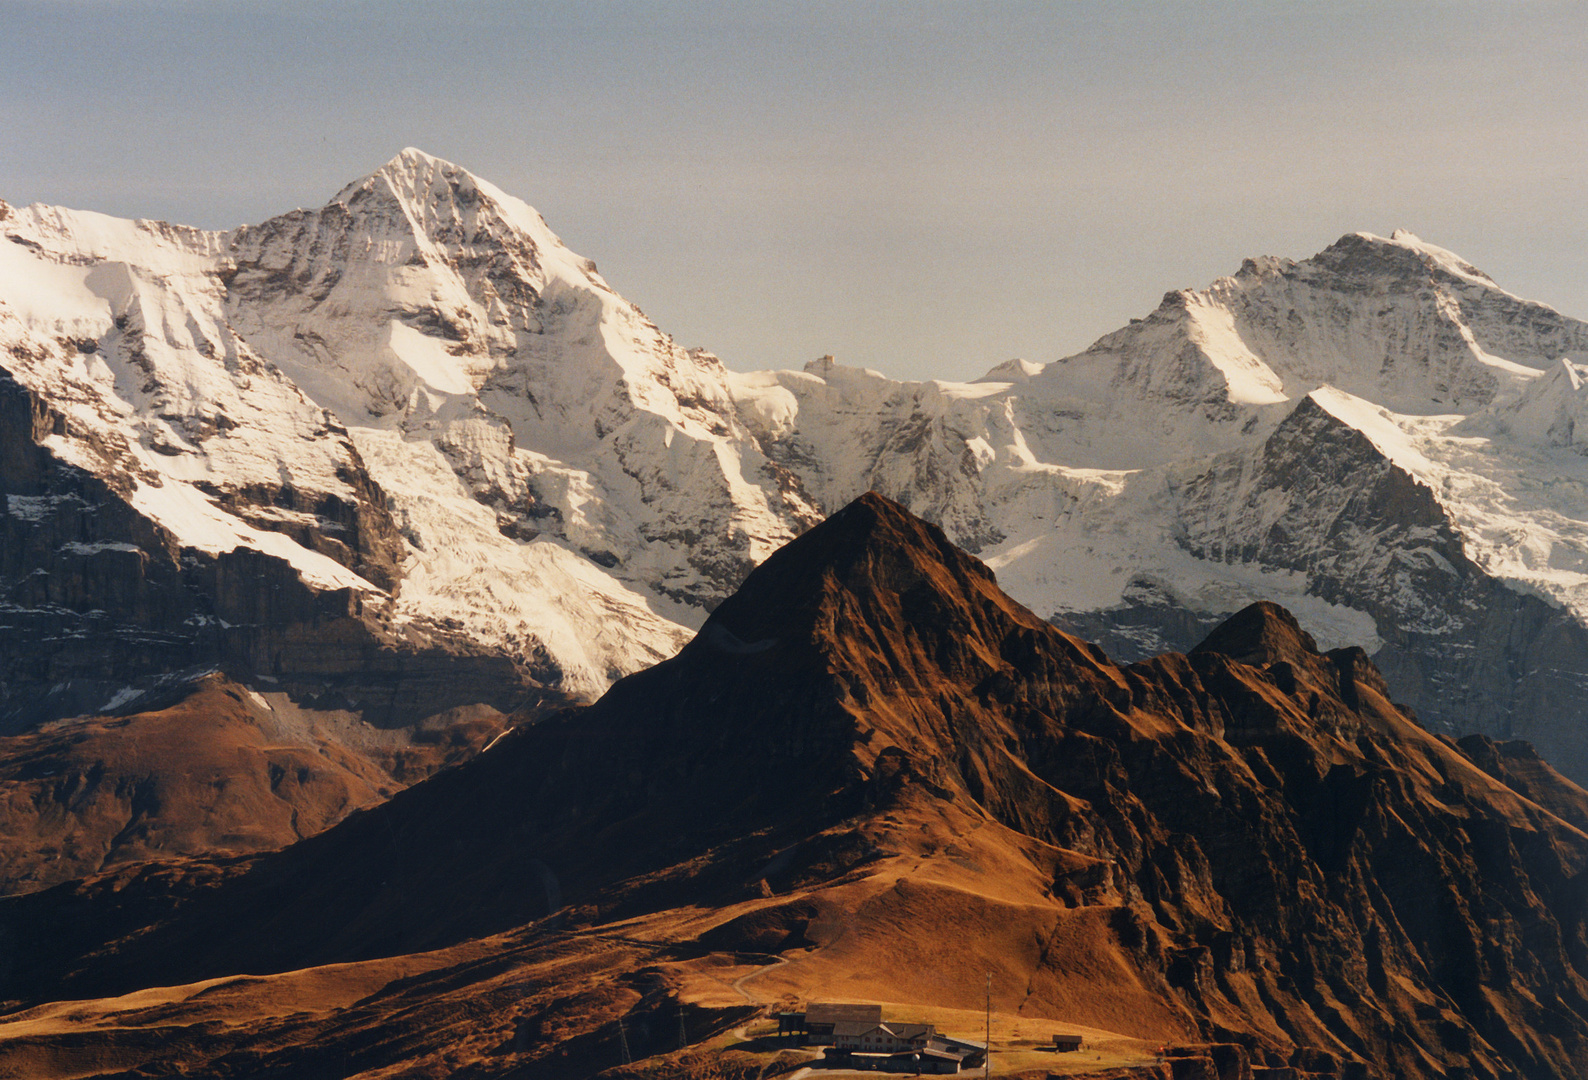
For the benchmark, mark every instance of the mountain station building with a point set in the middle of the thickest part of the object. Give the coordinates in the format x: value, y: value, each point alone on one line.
x: 859, y: 1039
x: 819, y: 1020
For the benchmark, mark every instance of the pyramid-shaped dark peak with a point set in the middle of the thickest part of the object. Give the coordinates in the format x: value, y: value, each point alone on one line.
x: 871, y: 550
x: 1261, y: 634
x: 876, y: 521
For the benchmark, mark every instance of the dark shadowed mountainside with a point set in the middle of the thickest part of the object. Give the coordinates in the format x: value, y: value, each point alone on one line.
x: 873, y: 776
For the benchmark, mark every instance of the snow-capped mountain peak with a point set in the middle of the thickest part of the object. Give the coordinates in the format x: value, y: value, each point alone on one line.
x: 515, y: 450
x: 450, y: 210
x: 1445, y: 260
x: 416, y: 401
x: 1016, y: 370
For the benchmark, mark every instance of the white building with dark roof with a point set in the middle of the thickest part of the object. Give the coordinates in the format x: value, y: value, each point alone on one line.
x: 880, y: 1038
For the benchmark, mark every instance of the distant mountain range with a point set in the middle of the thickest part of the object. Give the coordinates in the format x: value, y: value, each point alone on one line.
x: 872, y: 776
x: 406, y: 454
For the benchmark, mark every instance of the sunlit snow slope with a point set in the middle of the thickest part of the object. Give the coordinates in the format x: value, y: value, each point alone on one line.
x: 415, y: 401
x: 415, y: 397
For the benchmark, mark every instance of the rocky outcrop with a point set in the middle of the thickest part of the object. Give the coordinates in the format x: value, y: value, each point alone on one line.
x: 91, y: 592
x: 1458, y: 646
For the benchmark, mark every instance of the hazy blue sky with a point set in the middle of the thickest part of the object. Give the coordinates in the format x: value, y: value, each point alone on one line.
x: 925, y: 188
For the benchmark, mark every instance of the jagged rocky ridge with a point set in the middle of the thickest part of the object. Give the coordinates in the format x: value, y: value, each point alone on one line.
x: 868, y: 751
x: 417, y: 409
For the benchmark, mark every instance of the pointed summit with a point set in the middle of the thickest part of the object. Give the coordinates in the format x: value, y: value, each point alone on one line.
x: 414, y: 157
x: 1441, y: 257
x: 1261, y: 634
x: 1016, y: 370
x: 1552, y: 410
x: 449, y: 205
x: 1402, y: 255
x: 413, y: 169
x: 426, y: 187
x: 412, y: 165
x: 873, y: 567
x: 869, y: 640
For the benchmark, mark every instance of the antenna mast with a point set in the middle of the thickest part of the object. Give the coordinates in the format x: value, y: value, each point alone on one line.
x: 987, y: 1056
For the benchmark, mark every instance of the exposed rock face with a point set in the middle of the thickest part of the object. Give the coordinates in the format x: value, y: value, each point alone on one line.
x: 869, y: 750
x: 1457, y: 645
x: 99, y: 600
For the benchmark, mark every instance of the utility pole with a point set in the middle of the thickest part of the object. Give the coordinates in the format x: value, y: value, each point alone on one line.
x: 623, y: 1037
x: 683, y: 1040
x: 987, y: 1058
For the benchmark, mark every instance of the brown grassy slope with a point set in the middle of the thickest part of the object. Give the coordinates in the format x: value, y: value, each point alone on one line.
x: 1517, y: 765
x: 215, y: 773
x: 874, y: 762
x: 199, y: 777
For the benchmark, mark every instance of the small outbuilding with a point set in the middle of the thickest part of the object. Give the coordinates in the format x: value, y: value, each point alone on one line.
x: 1066, y: 1043
x: 940, y: 1062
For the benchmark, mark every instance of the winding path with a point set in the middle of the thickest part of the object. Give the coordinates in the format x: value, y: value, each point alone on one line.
x: 738, y: 984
